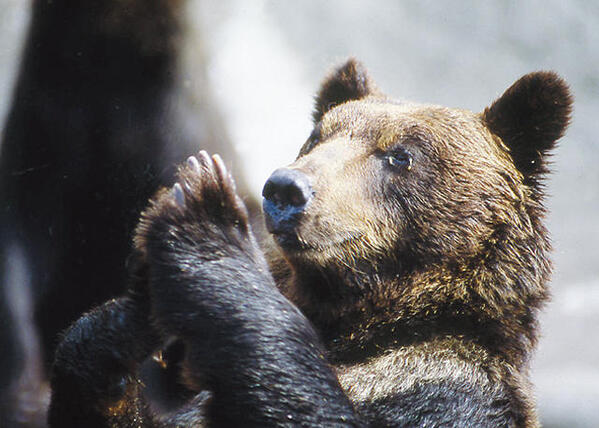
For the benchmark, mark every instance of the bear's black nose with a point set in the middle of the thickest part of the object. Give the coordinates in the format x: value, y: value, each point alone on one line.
x: 288, y: 187
x: 286, y: 194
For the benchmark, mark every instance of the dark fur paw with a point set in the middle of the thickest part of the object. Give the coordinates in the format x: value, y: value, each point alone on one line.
x: 205, y: 192
x: 201, y: 212
x: 195, y: 243
x: 205, y: 187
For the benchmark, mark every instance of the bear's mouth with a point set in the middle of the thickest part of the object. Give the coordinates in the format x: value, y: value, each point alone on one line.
x: 292, y: 242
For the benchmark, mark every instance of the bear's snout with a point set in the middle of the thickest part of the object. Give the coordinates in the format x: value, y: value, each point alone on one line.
x: 286, y: 194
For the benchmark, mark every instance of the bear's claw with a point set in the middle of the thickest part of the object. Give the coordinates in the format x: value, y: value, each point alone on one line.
x: 205, y: 159
x: 192, y: 162
x: 179, y: 195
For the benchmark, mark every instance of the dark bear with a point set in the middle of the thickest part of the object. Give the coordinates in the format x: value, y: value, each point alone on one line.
x: 98, y: 121
x: 411, y: 263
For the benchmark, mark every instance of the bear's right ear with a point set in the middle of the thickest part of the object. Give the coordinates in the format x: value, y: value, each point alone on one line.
x: 529, y: 118
x: 346, y: 83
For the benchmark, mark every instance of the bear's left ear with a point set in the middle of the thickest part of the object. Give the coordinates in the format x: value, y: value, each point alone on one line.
x: 346, y: 83
x: 530, y: 117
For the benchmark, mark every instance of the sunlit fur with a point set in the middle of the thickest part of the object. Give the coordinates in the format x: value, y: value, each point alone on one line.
x: 419, y: 279
x: 454, y: 246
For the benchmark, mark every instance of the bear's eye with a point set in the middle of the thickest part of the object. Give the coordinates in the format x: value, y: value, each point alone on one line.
x: 400, y: 158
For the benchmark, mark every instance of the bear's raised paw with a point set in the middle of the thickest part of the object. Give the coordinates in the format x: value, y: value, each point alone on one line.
x: 201, y: 208
x: 207, y: 188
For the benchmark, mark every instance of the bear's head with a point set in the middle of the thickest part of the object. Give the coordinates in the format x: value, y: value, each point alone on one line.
x: 427, y: 208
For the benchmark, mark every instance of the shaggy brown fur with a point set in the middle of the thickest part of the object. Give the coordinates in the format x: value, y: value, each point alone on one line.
x: 410, y: 238
x: 456, y: 250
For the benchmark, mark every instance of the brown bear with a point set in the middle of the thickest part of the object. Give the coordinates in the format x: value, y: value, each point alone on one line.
x: 411, y: 263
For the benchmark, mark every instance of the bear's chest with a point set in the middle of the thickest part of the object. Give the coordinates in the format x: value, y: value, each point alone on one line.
x: 410, y: 384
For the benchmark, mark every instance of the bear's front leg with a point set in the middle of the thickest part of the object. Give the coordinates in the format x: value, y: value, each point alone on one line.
x: 199, y: 251
x: 94, y: 375
x: 210, y: 287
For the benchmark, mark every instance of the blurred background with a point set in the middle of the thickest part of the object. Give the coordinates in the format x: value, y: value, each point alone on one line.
x: 263, y: 61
